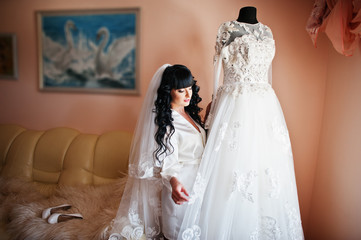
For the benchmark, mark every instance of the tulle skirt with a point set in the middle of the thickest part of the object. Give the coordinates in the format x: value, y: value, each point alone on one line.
x: 245, y: 188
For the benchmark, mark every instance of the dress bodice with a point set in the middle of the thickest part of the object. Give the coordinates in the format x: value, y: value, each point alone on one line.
x: 246, y: 50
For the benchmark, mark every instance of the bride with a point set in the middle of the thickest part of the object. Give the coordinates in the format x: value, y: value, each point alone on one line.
x: 166, y: 150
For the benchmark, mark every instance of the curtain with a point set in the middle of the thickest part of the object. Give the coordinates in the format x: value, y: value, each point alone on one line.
x: 340, y: 20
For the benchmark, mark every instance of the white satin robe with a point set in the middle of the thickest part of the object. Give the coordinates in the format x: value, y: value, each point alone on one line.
x: 188, y: 144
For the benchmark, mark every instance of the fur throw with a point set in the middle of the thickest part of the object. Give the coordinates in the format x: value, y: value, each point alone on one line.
x: 22, y: 207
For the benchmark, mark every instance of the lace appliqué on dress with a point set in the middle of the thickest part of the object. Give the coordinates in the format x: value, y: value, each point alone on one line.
x: 241, y: 183
x: 280, y: 132
x: 274, y: 179
x: 238, y: 89
x: 221, y: 133
x: 237, y: 124
x: 198, y: 189
x: 192, y: 233
x: 233, y: 142
x: 233, y: 145
x: 295, y: 231
x: 269, y: 230
x: 247, y: 60
x: 246, y: 53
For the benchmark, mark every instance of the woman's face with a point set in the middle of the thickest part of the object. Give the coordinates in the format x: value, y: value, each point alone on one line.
x: 181, y: 97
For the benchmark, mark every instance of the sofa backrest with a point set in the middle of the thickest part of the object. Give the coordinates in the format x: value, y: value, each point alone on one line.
x: 63, y: 155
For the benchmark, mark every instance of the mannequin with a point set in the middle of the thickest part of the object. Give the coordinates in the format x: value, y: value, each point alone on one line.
x: 248, y: 15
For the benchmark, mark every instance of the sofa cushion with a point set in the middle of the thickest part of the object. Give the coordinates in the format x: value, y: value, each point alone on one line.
x: 63, y: 156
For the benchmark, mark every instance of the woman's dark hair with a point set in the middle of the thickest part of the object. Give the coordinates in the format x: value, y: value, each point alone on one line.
x: 174, y: 77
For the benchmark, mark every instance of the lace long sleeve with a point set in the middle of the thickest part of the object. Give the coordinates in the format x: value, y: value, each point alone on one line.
x: 222, y: 38
x: 268, y: 33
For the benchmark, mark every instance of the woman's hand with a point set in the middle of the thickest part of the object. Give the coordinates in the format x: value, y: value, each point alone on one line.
x: 177, y: 190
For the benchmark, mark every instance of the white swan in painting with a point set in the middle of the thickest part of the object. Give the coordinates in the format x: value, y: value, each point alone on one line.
x: 70, y: 61
x: 105, y: 62
x: 59, y: 55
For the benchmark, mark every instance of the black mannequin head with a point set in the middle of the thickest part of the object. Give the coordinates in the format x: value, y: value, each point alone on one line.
x: 248, y: 15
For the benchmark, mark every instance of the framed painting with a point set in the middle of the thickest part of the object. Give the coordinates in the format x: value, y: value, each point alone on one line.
x: 89, y: 51
x: 8, y: 56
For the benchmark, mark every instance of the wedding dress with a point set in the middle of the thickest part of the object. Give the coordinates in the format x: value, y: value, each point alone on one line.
x: 245, y: 186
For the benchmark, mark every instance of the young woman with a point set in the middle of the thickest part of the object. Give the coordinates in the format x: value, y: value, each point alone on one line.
x: 166, y: 150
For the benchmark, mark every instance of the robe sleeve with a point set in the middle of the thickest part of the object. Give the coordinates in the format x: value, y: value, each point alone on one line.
x: 171, y: 166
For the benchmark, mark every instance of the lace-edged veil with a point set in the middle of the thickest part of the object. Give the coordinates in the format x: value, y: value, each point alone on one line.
x: 139, y: 210
x: 143, y: 144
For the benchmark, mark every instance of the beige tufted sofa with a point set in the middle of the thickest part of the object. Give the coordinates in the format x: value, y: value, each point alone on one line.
x: 61, y: 156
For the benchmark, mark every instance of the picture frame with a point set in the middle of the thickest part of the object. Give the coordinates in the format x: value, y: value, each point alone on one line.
x: 8, y: 56
x: 92, y: 51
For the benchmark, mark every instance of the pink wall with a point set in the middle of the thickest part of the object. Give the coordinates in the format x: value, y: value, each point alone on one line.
x: 175, y: 32
x: 336, y: 200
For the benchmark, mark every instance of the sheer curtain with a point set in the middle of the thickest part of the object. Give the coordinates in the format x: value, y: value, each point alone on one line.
x: 340, y: 20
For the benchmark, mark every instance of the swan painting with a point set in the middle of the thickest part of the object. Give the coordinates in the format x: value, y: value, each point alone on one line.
x: 58, y: 54
x: 88, y: 50
x: 106, y: 61
x: 58, y: 57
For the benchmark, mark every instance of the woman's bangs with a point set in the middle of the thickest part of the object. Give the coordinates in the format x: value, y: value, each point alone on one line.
x: 185, y: 82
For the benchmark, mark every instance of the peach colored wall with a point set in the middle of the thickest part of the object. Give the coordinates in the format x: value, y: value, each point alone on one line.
x: 336, y: 199
x: 174, y: 31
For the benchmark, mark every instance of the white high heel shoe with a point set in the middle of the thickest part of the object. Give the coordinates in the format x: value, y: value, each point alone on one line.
x: 47, y: 212
x: 61, y: 217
